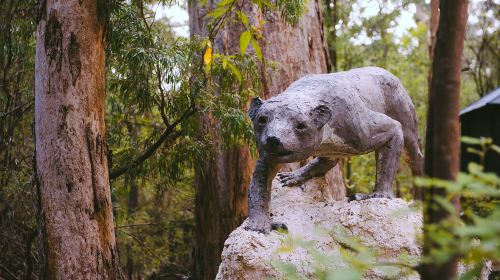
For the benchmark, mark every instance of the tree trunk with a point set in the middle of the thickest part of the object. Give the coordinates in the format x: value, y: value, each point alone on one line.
x: 434, y: 23
x: 71, y: 161
x: 222, y: 180
x: 443, y: 128
x: 433, y: 27
x: 133, y: 199
x: 331, y: 20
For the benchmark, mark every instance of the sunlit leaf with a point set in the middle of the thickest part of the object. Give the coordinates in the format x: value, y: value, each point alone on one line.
x: 344, y: 274
x: 495, y: 148
x: 224, y: 62
x: 256, y: 48
x: 473, y: 273
x: 245, y: 38
x: 235, y: 71
x: 207, y: 57
x: 446, y: 204
x: 470, y: 140
x: 243, y: 17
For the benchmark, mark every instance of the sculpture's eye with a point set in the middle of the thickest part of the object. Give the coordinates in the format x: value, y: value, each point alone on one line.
x: 262, y: 120
x: 300, y: 126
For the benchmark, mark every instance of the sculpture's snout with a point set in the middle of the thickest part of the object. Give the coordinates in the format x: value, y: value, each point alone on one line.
x: 273, y: 142
x: 275, y: 148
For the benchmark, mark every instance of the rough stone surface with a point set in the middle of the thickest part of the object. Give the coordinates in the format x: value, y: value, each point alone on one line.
x: 390, y: 225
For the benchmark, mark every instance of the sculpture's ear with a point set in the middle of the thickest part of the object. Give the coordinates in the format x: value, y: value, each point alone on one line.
x: 320, y: 115
x: 254, y: 107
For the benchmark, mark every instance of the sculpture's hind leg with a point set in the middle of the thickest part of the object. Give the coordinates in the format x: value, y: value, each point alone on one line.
x: 318, y: 167
x: 387, y: 141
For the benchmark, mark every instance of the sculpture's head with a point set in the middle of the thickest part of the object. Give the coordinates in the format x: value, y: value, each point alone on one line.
x: 288, y: 130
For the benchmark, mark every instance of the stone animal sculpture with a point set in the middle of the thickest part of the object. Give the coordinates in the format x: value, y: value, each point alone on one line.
x: 331, y: 116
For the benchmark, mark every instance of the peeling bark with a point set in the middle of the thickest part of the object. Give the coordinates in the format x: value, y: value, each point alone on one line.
x: 74, y: 58
x: 71, y: 161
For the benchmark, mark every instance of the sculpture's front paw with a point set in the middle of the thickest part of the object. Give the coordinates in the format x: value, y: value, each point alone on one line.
x: 261, y: 225
x: 290, y: 179
x: 363, y: 196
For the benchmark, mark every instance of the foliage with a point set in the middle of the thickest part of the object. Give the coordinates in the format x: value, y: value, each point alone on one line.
x: 472, y: 242
x: 18, y: 242
x: 351, y: 261
x: 473, y: 235
x: 156, y: 85
x: 481, y: 57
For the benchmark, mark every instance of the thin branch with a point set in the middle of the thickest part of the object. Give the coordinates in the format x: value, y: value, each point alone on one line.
x: 8, y: 272
x: 21, y: 107
x: 162, y: 103
x: 138, y: 225
x: 152, y: 149
x: 148, y: 249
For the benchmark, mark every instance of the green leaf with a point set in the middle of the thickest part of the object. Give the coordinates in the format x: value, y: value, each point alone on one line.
x: 474, y: 168
x: 245, y: 38
x: 256, y: 48
x: 447, y: 205
x: 473, y: 273
x: 345, y: 274
x: 217, y: 12
x: 495, y: 148
x: 224, y: 62
x: 288, y: 269
x: 235, y: 70
x: 471, y: 140
x: 263, y: 3
x: 243, y: 17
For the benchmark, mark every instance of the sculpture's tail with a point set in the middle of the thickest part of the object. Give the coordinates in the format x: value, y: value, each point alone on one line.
x: 413, y: 154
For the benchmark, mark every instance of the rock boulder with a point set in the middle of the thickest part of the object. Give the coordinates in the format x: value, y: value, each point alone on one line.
x: 391, y: 226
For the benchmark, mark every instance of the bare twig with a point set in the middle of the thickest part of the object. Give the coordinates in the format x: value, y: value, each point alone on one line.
x: 138, y: 225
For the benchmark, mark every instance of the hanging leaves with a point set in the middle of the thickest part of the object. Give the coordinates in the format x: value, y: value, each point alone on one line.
x: 256, y: 48
x: 245, y: 38
x: 243, y: 17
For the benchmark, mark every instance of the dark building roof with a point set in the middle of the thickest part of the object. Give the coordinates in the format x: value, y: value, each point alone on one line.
x: 492, y: 98
x: 482, y: 119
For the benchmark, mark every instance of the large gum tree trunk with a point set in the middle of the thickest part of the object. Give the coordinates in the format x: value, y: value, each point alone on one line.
x: 223, y: 179
x: 71, y: 161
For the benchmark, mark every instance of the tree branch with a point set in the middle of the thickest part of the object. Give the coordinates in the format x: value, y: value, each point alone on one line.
x: 152, y: 149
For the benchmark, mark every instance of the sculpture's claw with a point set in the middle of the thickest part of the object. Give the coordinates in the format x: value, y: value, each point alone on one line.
x: 259, y: 225
x: 290, y: 179
x: 363, y: 196
x: 279, y: 226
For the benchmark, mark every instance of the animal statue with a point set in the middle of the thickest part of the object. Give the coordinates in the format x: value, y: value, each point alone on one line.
x: 330, y: 117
